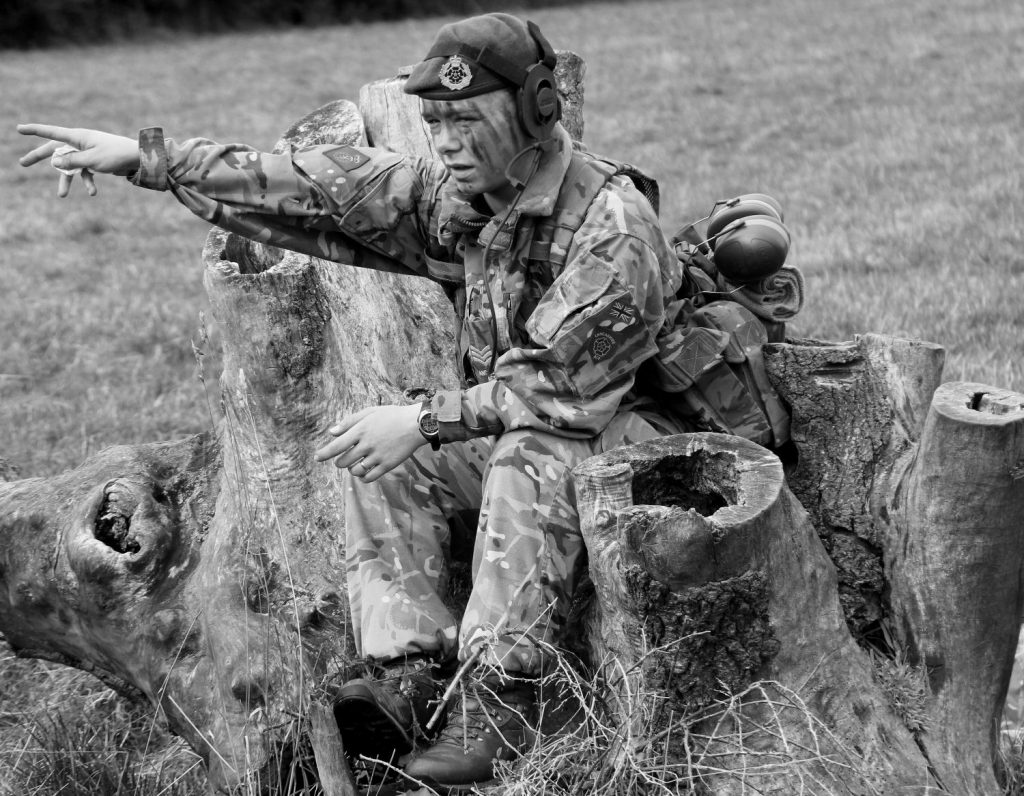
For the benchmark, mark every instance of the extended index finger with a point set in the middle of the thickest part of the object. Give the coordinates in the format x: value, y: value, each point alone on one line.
x: 61, y: 135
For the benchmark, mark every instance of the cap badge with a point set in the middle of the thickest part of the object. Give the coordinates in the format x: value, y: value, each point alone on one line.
x: 455, y: 74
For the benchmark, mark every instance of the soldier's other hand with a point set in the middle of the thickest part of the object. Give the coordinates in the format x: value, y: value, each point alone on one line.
x: 77, y: 150
x: 374, y: 441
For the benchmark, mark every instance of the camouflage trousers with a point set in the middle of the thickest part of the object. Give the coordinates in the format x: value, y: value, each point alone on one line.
x: 527, y: 552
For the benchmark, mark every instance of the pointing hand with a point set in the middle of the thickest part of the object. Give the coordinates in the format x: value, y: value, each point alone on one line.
x: 81, y: 151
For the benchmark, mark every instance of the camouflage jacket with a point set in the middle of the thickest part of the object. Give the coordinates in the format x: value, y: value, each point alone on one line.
x: 552, y: 351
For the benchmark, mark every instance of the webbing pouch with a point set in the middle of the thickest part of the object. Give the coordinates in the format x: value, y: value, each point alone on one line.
x: 744, y: 356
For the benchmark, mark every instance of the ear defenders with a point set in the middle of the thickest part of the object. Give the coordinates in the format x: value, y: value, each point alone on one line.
x: 537, y: 98
x: 747, y: 238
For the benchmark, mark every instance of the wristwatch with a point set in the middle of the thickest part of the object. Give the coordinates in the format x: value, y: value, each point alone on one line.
x: 428, y: 426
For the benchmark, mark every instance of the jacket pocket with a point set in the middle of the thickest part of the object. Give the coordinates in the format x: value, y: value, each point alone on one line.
x: 592, y: 329
x: 575, y: 289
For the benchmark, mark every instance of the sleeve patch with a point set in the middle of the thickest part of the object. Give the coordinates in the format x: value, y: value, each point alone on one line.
x: 348, y: 158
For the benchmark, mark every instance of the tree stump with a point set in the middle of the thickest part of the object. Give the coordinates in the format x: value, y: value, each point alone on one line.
x: 857, y: 410
x: 695, y: 547
x: 956, y: 574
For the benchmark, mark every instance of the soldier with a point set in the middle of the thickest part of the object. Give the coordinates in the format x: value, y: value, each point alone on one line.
x: 553, y: 332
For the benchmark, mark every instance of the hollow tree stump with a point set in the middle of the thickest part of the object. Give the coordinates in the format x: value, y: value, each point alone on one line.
x: 708, y: 577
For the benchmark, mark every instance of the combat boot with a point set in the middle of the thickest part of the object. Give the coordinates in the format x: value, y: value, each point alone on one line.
x: 382, y: 715
x: 488, y: 724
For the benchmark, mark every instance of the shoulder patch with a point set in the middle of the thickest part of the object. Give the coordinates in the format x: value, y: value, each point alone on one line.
x: 347, y: 157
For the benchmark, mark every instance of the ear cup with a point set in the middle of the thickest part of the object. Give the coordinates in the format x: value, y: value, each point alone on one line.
x: 752, y: 248
x: 749, y: 204
x: 538, y: 103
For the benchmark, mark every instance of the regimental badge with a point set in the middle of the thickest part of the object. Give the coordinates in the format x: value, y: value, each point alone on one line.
x: 455, y: 74
x: 602, y: 345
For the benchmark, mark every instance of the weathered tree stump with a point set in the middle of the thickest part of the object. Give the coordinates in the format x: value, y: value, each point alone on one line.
x: 939, y: 572
x: 857, y: 410
x: 709, y: 577
x: 955, y: 572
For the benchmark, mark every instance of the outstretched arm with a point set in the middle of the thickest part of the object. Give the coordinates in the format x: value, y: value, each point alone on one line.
x: 91, y: 151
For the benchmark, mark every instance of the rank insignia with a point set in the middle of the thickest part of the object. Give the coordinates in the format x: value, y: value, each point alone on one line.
x: 347, y: 157
x: 602, y: 345
x: 455, y: 74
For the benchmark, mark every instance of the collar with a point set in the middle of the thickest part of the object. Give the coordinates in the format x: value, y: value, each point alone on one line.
x: 459, y: 216
x: 541, y: 192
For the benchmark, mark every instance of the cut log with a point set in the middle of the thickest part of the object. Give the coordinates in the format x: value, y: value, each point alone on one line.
x: 570, y: 71
x: 393, y: 119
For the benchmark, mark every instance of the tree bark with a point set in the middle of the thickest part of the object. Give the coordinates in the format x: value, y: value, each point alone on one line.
x: 334, y: 775
x: 857, y: 410
x: 695, y: 546
x: 916, y: 491
x: 931, y: 509
x: 955, y: 576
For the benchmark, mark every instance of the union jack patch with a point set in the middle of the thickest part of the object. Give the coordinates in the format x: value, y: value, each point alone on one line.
x: 622, y: 312
x: 455, y: 74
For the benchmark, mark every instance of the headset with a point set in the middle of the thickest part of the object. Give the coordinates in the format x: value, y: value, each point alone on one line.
x: 745, y: 238
x: 537, y: 102
x: 537, y: 98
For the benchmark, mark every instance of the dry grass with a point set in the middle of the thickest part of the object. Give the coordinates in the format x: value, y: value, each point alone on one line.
x: 608, y: 733
x: 623, y: 740
x: 61, y: 732
x: 889, y: 132
x: 1011, y: 762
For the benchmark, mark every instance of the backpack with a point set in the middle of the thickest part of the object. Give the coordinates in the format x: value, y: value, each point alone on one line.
x: 709, y: 368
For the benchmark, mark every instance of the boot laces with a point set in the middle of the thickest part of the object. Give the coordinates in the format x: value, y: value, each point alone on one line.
x: 477, y: 714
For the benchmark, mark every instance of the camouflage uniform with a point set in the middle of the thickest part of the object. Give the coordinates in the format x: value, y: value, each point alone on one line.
x: 550, y: 364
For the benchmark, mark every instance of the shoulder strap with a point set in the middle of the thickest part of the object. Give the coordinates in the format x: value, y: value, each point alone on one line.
x: 552, y: 235
x: 586, y: 176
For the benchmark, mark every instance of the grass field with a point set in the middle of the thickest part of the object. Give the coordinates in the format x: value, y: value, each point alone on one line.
x: 890, y: 132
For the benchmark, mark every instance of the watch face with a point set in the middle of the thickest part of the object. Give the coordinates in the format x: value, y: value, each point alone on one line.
x: 428, y: 424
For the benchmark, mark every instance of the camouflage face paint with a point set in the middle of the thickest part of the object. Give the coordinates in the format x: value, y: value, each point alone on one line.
x: 476, y: 139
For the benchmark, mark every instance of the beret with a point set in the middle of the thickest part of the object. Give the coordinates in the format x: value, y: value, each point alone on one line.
x: 477, y: 55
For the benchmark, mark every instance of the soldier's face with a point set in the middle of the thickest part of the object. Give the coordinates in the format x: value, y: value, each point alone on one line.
x: 476, y: 139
